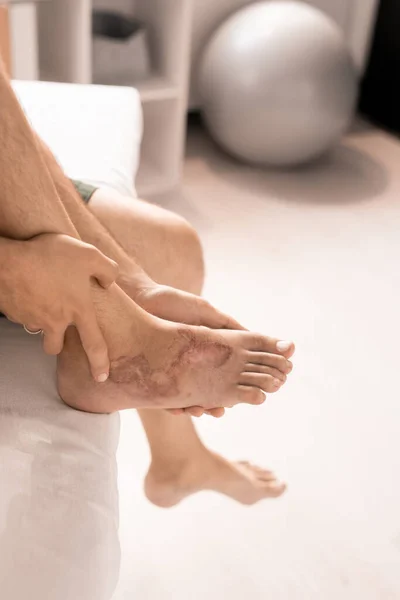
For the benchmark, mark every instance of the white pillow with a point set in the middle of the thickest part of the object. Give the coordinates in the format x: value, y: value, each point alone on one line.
x: 94, y: 131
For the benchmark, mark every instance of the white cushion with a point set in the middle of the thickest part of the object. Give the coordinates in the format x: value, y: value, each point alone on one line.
x: 95, y: 131
x: 59, y: 499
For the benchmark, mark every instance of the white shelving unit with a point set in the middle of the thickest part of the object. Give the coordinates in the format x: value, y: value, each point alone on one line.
x: 65, y: 54
x: 65, y: 46
x: 24, y: 38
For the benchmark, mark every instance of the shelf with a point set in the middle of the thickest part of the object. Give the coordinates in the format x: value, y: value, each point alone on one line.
x: 154, y: 88
x: 51, y: 76
x: 151, y: 181
x: 64, y: 29
x: 157, y: 88
x: 23, y: 1
x: 68, y: 53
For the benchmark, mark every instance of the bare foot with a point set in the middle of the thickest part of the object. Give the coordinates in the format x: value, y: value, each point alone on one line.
x: 166, y: 485
x: 158, y: 364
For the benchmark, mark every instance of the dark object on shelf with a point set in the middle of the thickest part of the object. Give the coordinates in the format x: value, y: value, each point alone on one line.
x: 113, y: 25
x: 120, y: 49
x: 380, y: 92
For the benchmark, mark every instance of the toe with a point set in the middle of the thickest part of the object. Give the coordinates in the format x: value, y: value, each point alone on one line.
x: 264, y: 475
x: 270, y: 360
x: 252, y: 368
x: 274, y: 489
x: 267, y: 383
x: 262, y: 343
x: 250, y: 395
x: 286, y: 348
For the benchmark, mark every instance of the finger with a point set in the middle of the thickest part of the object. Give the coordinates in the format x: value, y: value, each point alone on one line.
x: 217, y: 413
x: 104, y: 269
x: 176, y: 411
x: 53, y: 341
x: 198, y: 411
x: 10, y: 318
x: 94, y: 345
x: 195, y: 411
x: 230, y: 323
x: 211, y: 317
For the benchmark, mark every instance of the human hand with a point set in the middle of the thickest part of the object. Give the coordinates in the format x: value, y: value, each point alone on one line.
x: 182, y: 307
x: 46, y: 285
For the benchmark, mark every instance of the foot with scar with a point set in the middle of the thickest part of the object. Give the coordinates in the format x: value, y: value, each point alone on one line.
x: 172, y: 354
x: 159, y: 364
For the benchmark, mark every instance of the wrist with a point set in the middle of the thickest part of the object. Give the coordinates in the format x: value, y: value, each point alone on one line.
x: 11, y: 252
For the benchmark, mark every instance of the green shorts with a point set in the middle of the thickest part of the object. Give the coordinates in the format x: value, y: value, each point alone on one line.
x: 85, y: 190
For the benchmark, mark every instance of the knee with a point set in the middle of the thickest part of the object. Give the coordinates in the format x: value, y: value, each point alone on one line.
x: 189, y: 257
x: 189, y: 245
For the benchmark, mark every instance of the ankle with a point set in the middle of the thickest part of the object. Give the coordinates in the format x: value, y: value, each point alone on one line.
x: 173, y: 461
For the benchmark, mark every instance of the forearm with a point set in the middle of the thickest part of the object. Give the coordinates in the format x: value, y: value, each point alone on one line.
x: 88, y: 226
x: 29, y: 204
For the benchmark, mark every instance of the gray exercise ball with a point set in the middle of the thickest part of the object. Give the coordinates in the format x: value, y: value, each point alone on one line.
x: 277, y: 84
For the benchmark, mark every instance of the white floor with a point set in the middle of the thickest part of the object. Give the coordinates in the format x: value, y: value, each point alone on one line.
x: 312, y: 255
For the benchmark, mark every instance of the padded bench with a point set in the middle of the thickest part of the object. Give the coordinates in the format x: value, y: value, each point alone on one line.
x: 59, y: 498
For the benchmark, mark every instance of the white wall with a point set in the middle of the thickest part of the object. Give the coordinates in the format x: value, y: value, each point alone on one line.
x: 24, y: 46
x: 356, y: 17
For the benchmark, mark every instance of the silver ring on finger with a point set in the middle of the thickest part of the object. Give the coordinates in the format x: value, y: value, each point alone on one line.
x: 31, y: 332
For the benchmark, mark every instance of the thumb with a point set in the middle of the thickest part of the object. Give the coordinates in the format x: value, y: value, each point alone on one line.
x: 105, y: 270
x: 215, y: 319
x: 231, y: 323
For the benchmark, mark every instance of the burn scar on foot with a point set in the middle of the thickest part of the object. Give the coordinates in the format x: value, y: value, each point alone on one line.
x: 210, y: 353
x: 148, y: 381
x: 153, y: 382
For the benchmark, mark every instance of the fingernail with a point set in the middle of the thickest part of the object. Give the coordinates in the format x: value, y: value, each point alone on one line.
x: 283, y: 346
x: 278, y: 382
x: 102, y: 378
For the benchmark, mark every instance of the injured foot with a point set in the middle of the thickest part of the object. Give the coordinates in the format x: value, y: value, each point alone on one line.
x: 158, y: 364
x: 167, y: 484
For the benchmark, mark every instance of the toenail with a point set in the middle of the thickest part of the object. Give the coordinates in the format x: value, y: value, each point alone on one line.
x: 283, y: 346
x: 290, y: 365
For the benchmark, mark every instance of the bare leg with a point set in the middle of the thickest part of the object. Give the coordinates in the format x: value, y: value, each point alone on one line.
x: 29, y: 203
x: 153, y: 363
x: 168, y: 249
